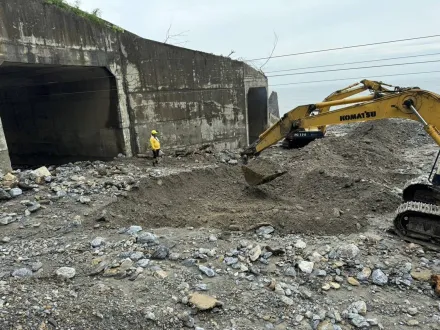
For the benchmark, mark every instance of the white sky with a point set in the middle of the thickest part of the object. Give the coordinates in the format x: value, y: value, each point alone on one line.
x: 247, y: 27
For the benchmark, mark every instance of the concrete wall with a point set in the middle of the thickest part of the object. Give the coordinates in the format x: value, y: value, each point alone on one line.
x: 191, y: 97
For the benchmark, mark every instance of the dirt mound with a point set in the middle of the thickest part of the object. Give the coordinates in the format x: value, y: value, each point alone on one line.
x: 394, y: 132
x: 330, y: 187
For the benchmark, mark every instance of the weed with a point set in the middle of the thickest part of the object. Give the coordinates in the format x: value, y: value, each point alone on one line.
x: 94, y: 16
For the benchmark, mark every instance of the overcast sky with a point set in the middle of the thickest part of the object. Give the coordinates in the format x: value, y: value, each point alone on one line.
x: 247, y: 27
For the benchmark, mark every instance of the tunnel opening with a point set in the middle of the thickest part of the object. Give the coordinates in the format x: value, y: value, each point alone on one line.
x: 53, y: 114
x: 257, y: 112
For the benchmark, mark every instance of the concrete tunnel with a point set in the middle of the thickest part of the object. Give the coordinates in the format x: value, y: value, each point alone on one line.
x: 53, y: 114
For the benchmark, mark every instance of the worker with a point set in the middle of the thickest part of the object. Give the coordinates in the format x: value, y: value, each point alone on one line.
x: 155, y: 146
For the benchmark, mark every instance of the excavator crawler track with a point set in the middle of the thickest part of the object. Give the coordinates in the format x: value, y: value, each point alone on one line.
x: 419, y: 223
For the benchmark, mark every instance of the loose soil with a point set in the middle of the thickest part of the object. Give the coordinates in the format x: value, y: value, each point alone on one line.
x: 332, y: 186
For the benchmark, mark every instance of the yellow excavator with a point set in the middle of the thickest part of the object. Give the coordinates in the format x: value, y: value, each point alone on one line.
x: 417, y: 219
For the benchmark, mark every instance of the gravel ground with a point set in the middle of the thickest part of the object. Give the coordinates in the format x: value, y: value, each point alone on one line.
x: 122, y: 245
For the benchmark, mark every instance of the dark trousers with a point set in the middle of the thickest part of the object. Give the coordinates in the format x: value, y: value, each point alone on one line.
x: 155, y: 156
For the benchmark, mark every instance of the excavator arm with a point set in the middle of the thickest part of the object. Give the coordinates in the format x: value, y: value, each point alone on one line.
x: 408, y: 103
x: 417, y: 219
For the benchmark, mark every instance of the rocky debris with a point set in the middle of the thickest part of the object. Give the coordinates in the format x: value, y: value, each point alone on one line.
x: 15, y: 192
x: 162, y: 252
x: 84, y: 200
x: 66, y: 272
x: 9, y: 180
x: 265, y: 230
x: 143, y: 263
x: 379, y: 277
x: 36, y: 266
x: 40, y: 174
x: 147, y: 238
x: 34, y: 207
x: 269, y: 279
x: 22, y: 272
x: 421, y: 275
x: 134, y: 230
x: 306, y: 266
x: 4, y: 195
x: 364, y: 275
x: 97, y: 242
x: 7, y: 219
x: 435, y: 282
x: 348, y: 251
x: 203, y: 302
x: 290, y: 271
x: 207, y: 271
x: 353, y: 281
x: 359, y: 307
x: 300, y: 244
x: 255, y: 253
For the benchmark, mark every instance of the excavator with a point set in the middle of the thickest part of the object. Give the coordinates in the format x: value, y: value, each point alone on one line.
x: 417, y: 218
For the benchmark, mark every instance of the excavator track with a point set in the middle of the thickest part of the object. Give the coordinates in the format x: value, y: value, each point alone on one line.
x: 419, y: 223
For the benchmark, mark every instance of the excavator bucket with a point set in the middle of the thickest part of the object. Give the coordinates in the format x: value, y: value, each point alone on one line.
x: 254, y: 178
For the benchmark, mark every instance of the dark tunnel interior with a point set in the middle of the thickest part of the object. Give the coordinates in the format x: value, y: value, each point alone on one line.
x: 58, y: 114
x: 257, y: 112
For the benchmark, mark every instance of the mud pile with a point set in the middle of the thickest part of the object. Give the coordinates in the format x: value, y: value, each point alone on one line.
x: 332, y: 186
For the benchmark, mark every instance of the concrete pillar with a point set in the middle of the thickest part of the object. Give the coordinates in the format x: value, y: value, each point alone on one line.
x: 5, y: 161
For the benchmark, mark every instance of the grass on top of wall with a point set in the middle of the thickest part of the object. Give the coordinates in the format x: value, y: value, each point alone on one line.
x: 92, y: 16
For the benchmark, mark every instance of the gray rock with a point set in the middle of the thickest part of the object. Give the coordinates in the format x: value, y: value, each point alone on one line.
x: 207, y: 271
x: 6, y: 239
x: 135, y: 256
x: 290, y: 271
x: 233, y: 162
x: 147, y: 238
x: 97, y: 242
x: 189, y: 262
x: 61, y: 193
x: 379, y: 277
x: 212, y: 238
x: 6, y: 220
x: 364, y: 275
x: 339, y: 279
x: 134, y: 230
x: 265, y: 230
x: 349, y: 251
x: 36, y: 266
x: 201, y: 287
x: 412, y: 311
x: 306, y: 266
x: 35, y: 207
x: 174, y: 256
x: 300, y: 244
x: 125, y: 254
x: 84, y: 200
x: 66, y: 272
x: 199, y: 328
x: 150, y: 316
x: 305, y: 293
x: 230, y: 261
x: 287, y: 301
x: 359, y: 307
x: 22, y: 272
x: 15, y: 192
x: 4, y: 195
x: 358, y: 320
x: 321, y: 273
x: 143, y: 263
x: 161, y: 253
x: 407, y: 267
